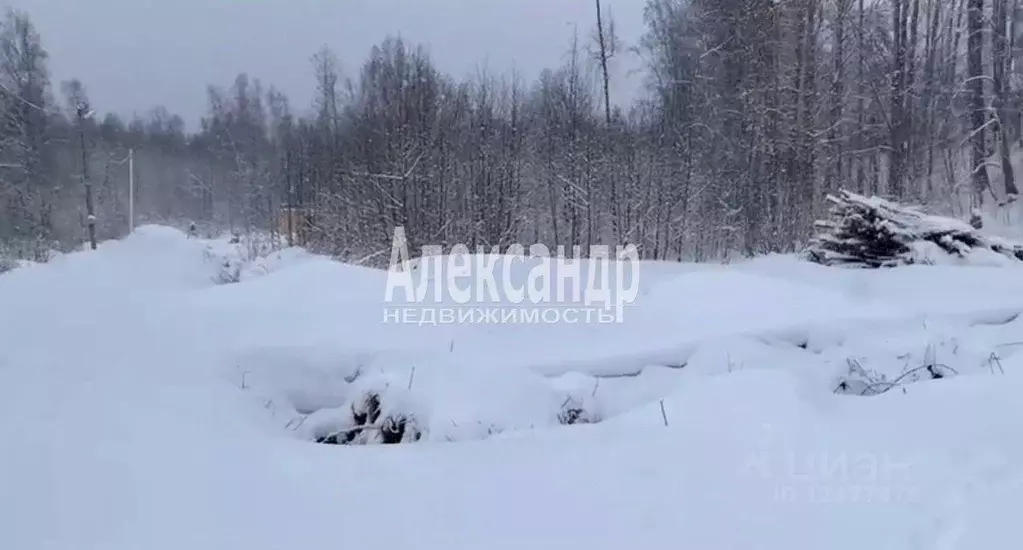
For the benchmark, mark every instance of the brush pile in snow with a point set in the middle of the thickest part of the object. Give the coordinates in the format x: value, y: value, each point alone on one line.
x: 367, y: 420
x: 872, y: 232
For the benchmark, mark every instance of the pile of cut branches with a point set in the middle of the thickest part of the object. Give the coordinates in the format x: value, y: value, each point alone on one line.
x: 872, y: 232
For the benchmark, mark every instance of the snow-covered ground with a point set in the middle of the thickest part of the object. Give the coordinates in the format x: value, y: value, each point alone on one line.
x: 771, y: 404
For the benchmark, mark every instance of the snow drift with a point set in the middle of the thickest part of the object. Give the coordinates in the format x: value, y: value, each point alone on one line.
x: 144, y: 403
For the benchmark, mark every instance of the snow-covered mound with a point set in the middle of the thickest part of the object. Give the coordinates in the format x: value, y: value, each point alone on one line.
x: 148, y: 402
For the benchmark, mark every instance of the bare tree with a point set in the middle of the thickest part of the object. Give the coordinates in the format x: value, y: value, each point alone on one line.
x: 1000, y: 60
x: 978, y: 107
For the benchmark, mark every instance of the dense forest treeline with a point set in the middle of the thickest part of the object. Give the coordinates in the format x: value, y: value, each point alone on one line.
x: 753, y: 111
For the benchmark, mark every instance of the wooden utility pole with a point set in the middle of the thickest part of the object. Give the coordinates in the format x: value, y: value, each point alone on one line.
x: 90, y: 213
x: 604, y: 54
x: 606, y: 42
x: 131, y: 190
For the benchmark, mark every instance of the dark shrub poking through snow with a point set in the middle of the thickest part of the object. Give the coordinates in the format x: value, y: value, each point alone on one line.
x: 368, y: 420
x: 399, y: 428
x: 363, y: 413
x: 574, y: 411
x: 368, y: 411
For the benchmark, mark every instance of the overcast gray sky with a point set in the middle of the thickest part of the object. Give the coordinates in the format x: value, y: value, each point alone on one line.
x: 136, y: 54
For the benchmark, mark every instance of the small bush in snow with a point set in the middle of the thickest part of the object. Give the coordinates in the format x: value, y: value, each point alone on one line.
x: 867, y: 382
x: 228, y: 270
x: 399, y: 428
x: 367, y: 411
x: 370, y: 421
x: 573, y: 411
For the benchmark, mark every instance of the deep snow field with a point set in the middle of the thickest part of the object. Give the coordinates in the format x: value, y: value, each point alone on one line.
x: 771, y: 404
